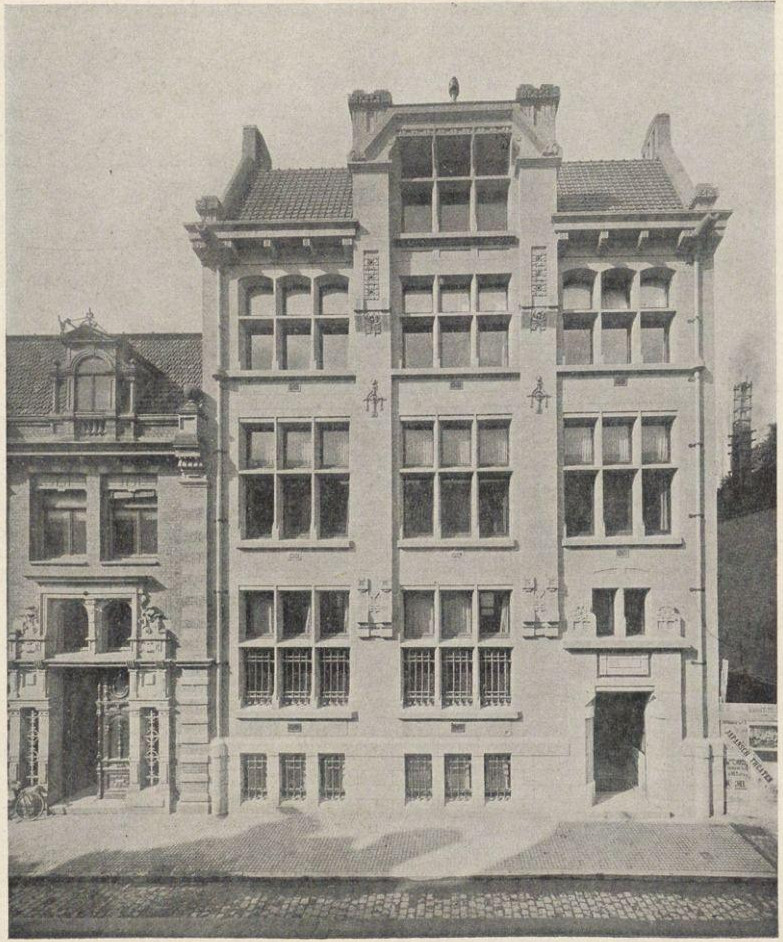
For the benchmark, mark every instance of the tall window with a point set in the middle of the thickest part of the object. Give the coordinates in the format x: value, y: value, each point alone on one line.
x: 458, y: 669
x: 418, y: 777
x: 455, y: 321
x: 293, y: 771
x: 295, y: 480
x: 457, y: 777
x: 253, y: 776
x: 331, y: 769
x: 455, y: 478
x: 59, y: 523
x: 607, y: 464
x: 132, y: 522
x: 497, y: 776
x: 93, y: 386
x: 619, y: 612
x: 293, y: 324
x: 293, y: 647
x: 464, y: 175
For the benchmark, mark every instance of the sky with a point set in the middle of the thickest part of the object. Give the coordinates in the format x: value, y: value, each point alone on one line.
x: 119, y: 117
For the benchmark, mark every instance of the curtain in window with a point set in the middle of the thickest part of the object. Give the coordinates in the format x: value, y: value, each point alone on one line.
x: 655, y: 442
x: 505, y: 612
x: 455, y: 447
x: 262, y: 448
x: 334, y: 448
x: 418, y: 447
x: 617, y: 443
x: 259, y: 611
x: 578, y: 442
x: 655, y: 292
x: 656, y: 499
x: 297, y: 448
x: 456, y: 614
x: 419, y: 614
x: 493, y: 445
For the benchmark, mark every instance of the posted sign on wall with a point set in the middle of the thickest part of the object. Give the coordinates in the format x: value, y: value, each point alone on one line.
x: 750, y: 732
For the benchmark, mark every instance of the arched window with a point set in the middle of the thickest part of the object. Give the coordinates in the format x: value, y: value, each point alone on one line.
x: 94, y: 385
x: 655, y: 288
x: 578, y: 290
x: 297, y: 300
x: 117, y: 621
x: 616, y: 289
x: 73, y: 625
x: 259, y: 300
x: 333, y: 297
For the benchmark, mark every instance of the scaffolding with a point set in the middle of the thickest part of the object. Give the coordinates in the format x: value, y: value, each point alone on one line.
x: 741, y: 437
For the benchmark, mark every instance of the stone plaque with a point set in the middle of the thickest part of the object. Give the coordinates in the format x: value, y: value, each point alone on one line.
x: 624, y: 665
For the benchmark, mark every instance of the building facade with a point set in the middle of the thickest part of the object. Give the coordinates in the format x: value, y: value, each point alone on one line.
x: 460, y: 402
x: 111, y: 664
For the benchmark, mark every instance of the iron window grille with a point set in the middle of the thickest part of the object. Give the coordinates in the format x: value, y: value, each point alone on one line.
x: 457, y: 770
x: 497, y: 777
x: 495, y: 676
x: 259, y: 665
x: 618, y: 476
x: 150, y: 742
x: 294, y: 323
x: 296, y: 667
x: 254, y: 778
x: 30, y: 747
x: 455, y: 478
x: 295, y: 479
x: 334, y: 676
x: 418, y: 777
x: 331, y: 770
x: 418, y: 671
x: 293, y: 776
x: 457, y: 676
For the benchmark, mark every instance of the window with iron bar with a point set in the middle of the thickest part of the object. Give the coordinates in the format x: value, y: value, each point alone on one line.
x: 418, y: 672
x: 259, y: 665
x: 293, y: 776
x: 334, y: 675
x: 418, y: 777
x: 253, y: 776
x: 297, y: 675
x: 331, y: 768
x: 457, y: 770
x: 457, y: 676
x: 495, y: 676
x: 497, y: 777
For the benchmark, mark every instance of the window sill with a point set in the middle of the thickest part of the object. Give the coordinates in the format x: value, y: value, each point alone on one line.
x: 490, y: 543
x: 609, y: 368
x: 660, y: 643
x: 459, y: 714
x: 71, y: 561
x: 295, y: 713
x: 443, y: 372
x: 608, y: 542
x: 132, y: 561
x: 501, y: 236
x: 290, y: 376
x: 294, y: 546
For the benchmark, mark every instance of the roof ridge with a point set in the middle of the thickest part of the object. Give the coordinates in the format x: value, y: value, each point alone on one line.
x: 301, y: 169
x: 617, y: 160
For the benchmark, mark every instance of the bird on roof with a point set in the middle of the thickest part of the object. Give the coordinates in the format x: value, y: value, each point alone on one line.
x: 454, y: 88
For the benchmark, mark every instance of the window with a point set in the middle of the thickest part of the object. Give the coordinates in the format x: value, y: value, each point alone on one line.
x: 578, y: 290
x: 497, y: 777
x: 309, y: 671
x: 654, y: 285
x: 457, y: 777
x: 117, y: 625
x: 627, y: 465
x: 94, y: 386
x: 616, y: 338
x: 578, y: 339
x: 61, y: 517
x: 461, y: 674
x: 292, y: 324
x: 330, y: 777
x: 133, y: 523
x: 283, y: 505
x: 619, y: 612
x: 468, y: 173
x: 253, y: 776
x: 418, y: 777
x: 469, y: 486
x: 69, y: 617
x: 616, y: 289
x: 292, y: 776
x: 455, y: 322
x: 655, y: 338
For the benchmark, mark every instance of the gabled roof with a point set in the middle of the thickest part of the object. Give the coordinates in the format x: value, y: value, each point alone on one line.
x: 615, y: 186
x: 314, y: 193
x: 170, y: 362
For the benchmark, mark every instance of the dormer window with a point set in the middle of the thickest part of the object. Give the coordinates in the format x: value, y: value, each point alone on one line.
x: 93, y: 386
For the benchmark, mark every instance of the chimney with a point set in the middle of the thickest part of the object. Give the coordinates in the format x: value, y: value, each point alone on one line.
x: 658, y: 138
x: 658, y: 146
x: 367, y: 111
x: 539, y: 108
x: 254, y: 147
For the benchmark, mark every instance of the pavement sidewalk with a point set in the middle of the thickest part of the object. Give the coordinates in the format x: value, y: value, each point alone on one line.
x: 277, y: 844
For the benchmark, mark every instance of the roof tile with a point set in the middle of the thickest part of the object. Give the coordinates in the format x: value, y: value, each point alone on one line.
x: 315, y: 193
x: 615, y: 186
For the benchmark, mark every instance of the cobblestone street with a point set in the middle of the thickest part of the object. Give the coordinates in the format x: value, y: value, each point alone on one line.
x: 367, y: 908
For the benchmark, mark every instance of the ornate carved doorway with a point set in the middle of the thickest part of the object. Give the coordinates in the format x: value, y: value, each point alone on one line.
x: 96, y: 754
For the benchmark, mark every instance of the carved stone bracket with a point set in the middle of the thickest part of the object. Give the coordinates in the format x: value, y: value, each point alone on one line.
x: 372, y: 323
x: 583, y: 622
x: 669, y: 621
x: 540, y: 608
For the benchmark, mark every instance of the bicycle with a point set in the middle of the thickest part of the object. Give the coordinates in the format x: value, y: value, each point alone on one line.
x: 28, y: 803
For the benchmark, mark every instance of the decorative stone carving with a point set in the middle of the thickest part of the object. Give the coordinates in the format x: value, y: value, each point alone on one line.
x: 375, y: 619
x: 371, y: 323
x: 539, y: 281
x: 538, y: 320
x: 373, y: 401
x: 30, y: 626
x: 371, y: 276
x: 540, y: 608
x: 152, y: 619
x: 538, y: 397
x: 669, y: 620
x: 583, y: 622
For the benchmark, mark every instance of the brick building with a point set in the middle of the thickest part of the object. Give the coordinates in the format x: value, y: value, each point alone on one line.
x: 110, y: 661
x: 458, y: 528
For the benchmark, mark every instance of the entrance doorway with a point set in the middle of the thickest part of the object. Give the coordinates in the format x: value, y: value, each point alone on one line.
x: 96, y: 733
x: 619, y: 741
